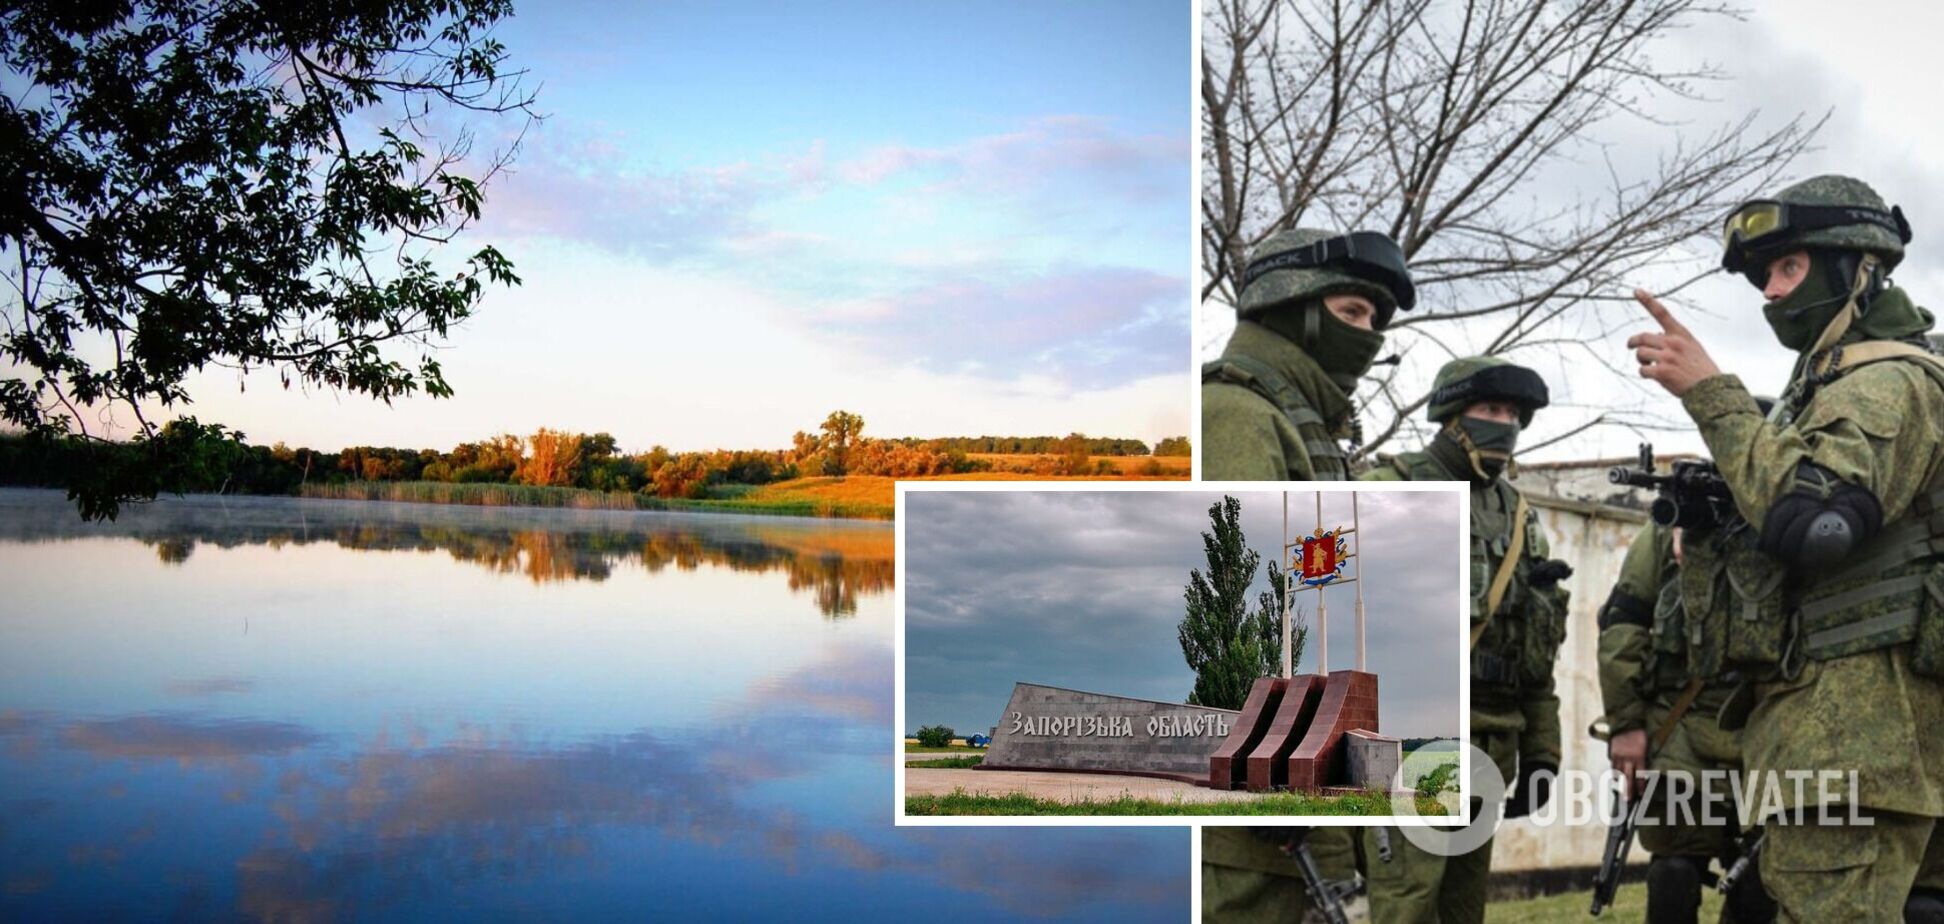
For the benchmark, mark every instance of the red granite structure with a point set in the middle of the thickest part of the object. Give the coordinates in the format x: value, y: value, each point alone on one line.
x: 1290, y: 732
x: 1268, y: 764
x: 1349, y: 701
x: 1225, y: 766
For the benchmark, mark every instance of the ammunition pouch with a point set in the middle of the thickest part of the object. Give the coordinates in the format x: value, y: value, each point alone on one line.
x: 1489, y: 668
x: 1889, y: 592
x: 1327, y: 460
x: 1736, y: 615
x: 1545, y: 631
x: 1668, y: 657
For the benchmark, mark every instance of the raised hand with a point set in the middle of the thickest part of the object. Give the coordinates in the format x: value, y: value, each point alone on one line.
x: 1672, y: 357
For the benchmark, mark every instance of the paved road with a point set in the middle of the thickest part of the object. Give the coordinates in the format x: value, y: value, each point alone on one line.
x: 1066, y: 787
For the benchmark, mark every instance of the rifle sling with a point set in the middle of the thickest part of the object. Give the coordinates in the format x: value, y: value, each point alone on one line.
x: 1681, y: 707
x: 1503, y: 579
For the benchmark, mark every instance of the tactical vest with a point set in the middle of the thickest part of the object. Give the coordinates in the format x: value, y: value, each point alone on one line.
x: 1888, y: 591
x: 1673, y: 651
x: 1522, y: 641
x: 1327, y: 460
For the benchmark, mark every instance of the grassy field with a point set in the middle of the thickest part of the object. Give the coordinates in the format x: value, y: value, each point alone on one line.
x: 1629, y: 904
x: 960, y: 802
x: 862, y: 497
x: 1124, y: 467
x: 962, y: 762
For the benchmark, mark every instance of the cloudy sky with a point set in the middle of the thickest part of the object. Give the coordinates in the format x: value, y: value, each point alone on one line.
x: 737, y: 218
x: 1084, y: 590
x: 1873, y: 70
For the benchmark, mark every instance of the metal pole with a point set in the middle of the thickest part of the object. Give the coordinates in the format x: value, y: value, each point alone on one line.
x: 1322, y: 614
x: 1287, y: 666
x: 1356, y: 529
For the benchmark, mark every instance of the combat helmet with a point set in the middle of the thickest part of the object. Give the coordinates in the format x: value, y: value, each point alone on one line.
x: 1306, y: 263
x: 1467, y: 381
x: 1830, y: 211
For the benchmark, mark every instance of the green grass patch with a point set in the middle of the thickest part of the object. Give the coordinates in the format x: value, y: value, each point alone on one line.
x: 522, y: 495
x: 961, y: 762
x: 960, y: 802
x: 1629, y: 904
x: 948, y: 749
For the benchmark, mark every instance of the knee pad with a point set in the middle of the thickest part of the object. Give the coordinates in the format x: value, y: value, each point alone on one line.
x: 1924, y: 906
x: 1674, y: 889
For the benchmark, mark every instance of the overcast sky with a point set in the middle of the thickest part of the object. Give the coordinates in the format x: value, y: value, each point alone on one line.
x: 1084, y: 590
x: 1872, y: 67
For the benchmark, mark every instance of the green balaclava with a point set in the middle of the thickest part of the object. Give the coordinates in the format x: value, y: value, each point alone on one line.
x: 1286, y: 287
x: 1468, y: 444
x: 1344, y: 352
x: 1485, y: 445
x: 1799, y: 316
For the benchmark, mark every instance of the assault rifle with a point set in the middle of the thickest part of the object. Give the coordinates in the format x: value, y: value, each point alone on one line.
x: 1327, y: 895
x: 1742, y: 864
x: 1613, y: 860
x: 1692, y: 496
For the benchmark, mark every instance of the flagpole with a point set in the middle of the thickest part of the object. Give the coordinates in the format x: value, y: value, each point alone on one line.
x: 1287, y: 666
x: 1322, y: 614
x: 1357, y: 530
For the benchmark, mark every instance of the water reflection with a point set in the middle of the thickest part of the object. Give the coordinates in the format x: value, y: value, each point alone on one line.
x: 836, y: 561
x: 679, y: 732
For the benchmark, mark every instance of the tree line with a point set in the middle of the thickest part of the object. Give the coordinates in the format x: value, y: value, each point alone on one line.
x: 221, y: 461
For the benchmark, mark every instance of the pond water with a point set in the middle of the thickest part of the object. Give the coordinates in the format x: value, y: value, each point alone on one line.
x: 279, y: 708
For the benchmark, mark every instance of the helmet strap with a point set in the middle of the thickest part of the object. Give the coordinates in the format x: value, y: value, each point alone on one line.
x: 1866, y: 272
x: 1474, y: 454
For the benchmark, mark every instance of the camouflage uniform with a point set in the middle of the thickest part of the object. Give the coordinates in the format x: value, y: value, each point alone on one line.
x: 1515, y: 712
x: 1246, y: 878
x: 1644, y: 672
x: 1276, y: 405
x: 1270, y: 412
x: 1836, y: 610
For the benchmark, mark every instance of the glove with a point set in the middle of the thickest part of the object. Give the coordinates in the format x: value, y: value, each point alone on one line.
x: 1283, y: 838
x: 1534, y: 789
x: 1547, y: 574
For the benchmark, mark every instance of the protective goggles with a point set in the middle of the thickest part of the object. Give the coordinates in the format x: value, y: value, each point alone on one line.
x: 1768, y: 220
x: 1367, y: 255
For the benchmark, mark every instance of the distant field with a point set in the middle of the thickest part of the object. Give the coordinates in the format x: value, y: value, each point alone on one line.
x: 863, y: 497
x: 1130, y: 467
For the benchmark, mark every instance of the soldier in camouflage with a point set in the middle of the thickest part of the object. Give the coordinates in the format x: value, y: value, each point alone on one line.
x: 1660, y: 716
x: 1518, y: 621
x: 1276, y: 405
x: 1830, y: 600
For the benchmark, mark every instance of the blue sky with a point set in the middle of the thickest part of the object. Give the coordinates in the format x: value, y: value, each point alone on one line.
x: 951, y: 220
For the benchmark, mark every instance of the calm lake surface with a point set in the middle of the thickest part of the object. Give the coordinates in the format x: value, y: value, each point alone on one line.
x: 274, y: 708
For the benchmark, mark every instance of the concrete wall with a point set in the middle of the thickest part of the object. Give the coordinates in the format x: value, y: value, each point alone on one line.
x: 1589, y: 523
x: 1053, y: 728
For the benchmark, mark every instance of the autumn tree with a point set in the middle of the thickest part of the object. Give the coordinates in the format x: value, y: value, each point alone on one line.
x: 553, y: 458
x: 1460, y: 129
x: 1075, y: 459
x: 239, y: 185
x: 841, y: 431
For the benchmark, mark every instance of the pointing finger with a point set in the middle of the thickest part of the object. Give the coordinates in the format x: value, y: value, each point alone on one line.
x: 1660, y: 312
